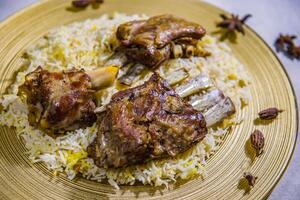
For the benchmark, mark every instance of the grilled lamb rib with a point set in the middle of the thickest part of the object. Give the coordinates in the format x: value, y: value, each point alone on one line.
x: 146, y: 122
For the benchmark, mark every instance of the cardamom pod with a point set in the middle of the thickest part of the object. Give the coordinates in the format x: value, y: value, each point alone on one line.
x: 84, y: 3
x: 269, y: 113
x: 257, y: 141
x: 250, y: 178
x: 81, y: 3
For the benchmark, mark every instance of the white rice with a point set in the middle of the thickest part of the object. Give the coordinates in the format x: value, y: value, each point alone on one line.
x: 86, y: 45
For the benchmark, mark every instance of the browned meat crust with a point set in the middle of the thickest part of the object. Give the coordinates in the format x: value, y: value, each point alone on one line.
x: 146, y: 122
x: 148, y: 41
x: 59, y: 100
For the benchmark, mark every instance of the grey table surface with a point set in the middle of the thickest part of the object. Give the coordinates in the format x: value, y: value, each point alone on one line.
x: 270, y: 17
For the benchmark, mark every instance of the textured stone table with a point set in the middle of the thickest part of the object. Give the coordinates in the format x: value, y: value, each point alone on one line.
x: 270, y: 17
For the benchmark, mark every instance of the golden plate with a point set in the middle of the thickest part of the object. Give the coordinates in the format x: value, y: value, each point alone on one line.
x: 20, y: 179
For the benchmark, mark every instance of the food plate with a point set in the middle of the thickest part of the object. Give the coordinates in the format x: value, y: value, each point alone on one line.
x: 20, y: 179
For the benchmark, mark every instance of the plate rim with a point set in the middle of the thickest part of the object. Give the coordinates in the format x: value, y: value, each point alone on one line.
x: 22, y: 10
x: 15, y: 14
x: 296, y: 107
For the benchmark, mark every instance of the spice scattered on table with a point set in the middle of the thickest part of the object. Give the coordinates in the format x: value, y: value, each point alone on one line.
x: 234, y: 23
x: 85, y: 3
x: 285, y: 44
x: 283, y: 41
x: 257, y: 141
x: 250, y: 178
x: 294, y: 52
x: 269, y: 113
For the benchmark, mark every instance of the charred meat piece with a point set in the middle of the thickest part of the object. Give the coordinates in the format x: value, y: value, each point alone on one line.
x: 146, y: 122
x: 149, y: 41
x: 59, y: 100
x: 158, y: 30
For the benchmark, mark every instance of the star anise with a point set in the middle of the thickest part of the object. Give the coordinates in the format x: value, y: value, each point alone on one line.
x: 234, y: 23
x: 284, y: 41
x: 285, y: 44
x: 294, y: 51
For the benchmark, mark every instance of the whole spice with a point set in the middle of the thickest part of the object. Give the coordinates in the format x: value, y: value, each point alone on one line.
x: 84, y: 3
x: 284, y: 41
x: 250, y: 178
x: 294, y: 51
x: 269, y: 113
x: 285, y: 44
x: 234, y: 23
x: 81, y: 3
x: 257, y: 141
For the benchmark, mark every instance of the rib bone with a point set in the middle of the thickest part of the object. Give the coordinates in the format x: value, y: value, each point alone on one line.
x: 219, y: 111
x: 177, y: 51
x: 208, y: 100
x: 190, y: 51
x: 131, y: 74
x: 193, y: 86
x: 103, y: 77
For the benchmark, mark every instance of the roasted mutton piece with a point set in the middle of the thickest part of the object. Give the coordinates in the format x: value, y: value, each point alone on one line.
x: 154, y: 121
x: 146, y: 122
x: 150, y: 42
x: 60, y: 101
